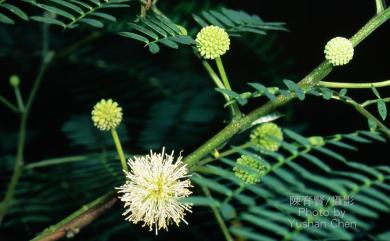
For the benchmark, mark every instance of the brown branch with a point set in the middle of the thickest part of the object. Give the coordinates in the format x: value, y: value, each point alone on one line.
x: 72, y: 225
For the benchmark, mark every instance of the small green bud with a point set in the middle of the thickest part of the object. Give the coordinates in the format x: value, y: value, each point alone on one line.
x: 266, y: 136
x: 14, y: 81
x: 249, y: 169
x: 339, y: 51
x: 216, y: 153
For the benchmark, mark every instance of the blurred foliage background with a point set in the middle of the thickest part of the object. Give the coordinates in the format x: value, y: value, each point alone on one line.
x: 168, y: 100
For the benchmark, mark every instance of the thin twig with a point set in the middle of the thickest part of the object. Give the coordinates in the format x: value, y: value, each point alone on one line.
x: 370, y: 102
x: 358, y: 107
x: 380, y: 6
x: 67, y: 50
x: 218, y: 217
x: 342, y: 85
x: 236, y: 110
x: 55, y: 161
x: 72, y: 224
x: 229, y: 152
x: 218, y: 83
x: 8, y: 104
x: 19, y: 161
x: 370, y: 116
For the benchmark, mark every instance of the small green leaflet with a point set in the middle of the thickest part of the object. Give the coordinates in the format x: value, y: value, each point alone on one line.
x: 291, y: 85
x: 376, y: 93
x: 233, y: 95
x: 382, y: 109
x: 381, y: 104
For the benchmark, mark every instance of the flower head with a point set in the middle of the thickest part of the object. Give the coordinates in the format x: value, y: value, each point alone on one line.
x: 212, y: 42
x: 339, y: 51
x: 106, y: 115
x: 267, y: 136
x: 153, y: 190
x: 249, y: 169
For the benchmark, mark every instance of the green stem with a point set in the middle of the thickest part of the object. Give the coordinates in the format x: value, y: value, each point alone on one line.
x: 233, y: 128
x: 18, y: 169
x: 222, y: 72
x: 8, y: 104
x: 55, y: 161
x: 221, y: 155
x: 214, y: 77
x: 119, y: 149
x: 19, y: 99
x: 218, y: 83
x: 235, y: 109
x: 370, y: 102
x: 80, y: 218
x: 370, y: 26
x: 90, y: 11
x: 19, y: 161
x: 368, y: 115
x: 67, y: 50
x: 308, y: 82
x: 360, y: 108
x: 379, y: 6
x: 355, y: 85
x: 236, y: 192
x: 218, y: 217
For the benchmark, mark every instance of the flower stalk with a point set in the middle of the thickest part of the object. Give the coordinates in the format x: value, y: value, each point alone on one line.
x: 119, y: 149
x: 236, y: 113
x: 106, y: 116
x: 19, y: 99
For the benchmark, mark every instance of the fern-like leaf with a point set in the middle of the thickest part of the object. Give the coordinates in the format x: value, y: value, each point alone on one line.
x: 8, y: 11
x: 157, y: 29
x: 236, y: 22
x: 69, y: 14
x: 365, y: 189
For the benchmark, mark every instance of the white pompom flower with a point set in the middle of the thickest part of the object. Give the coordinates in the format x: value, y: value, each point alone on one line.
x: 212, y: 42
x: 155, y: 184
x: 339, y: 51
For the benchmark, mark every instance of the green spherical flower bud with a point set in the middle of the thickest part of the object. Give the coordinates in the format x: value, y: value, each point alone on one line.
x: 267, y: 136
x: 339, y: 51
x: 249, y: 169
x: 316, y: 140
x: 14, y: 81
x: 106, y: 115
x: 212, y: 42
